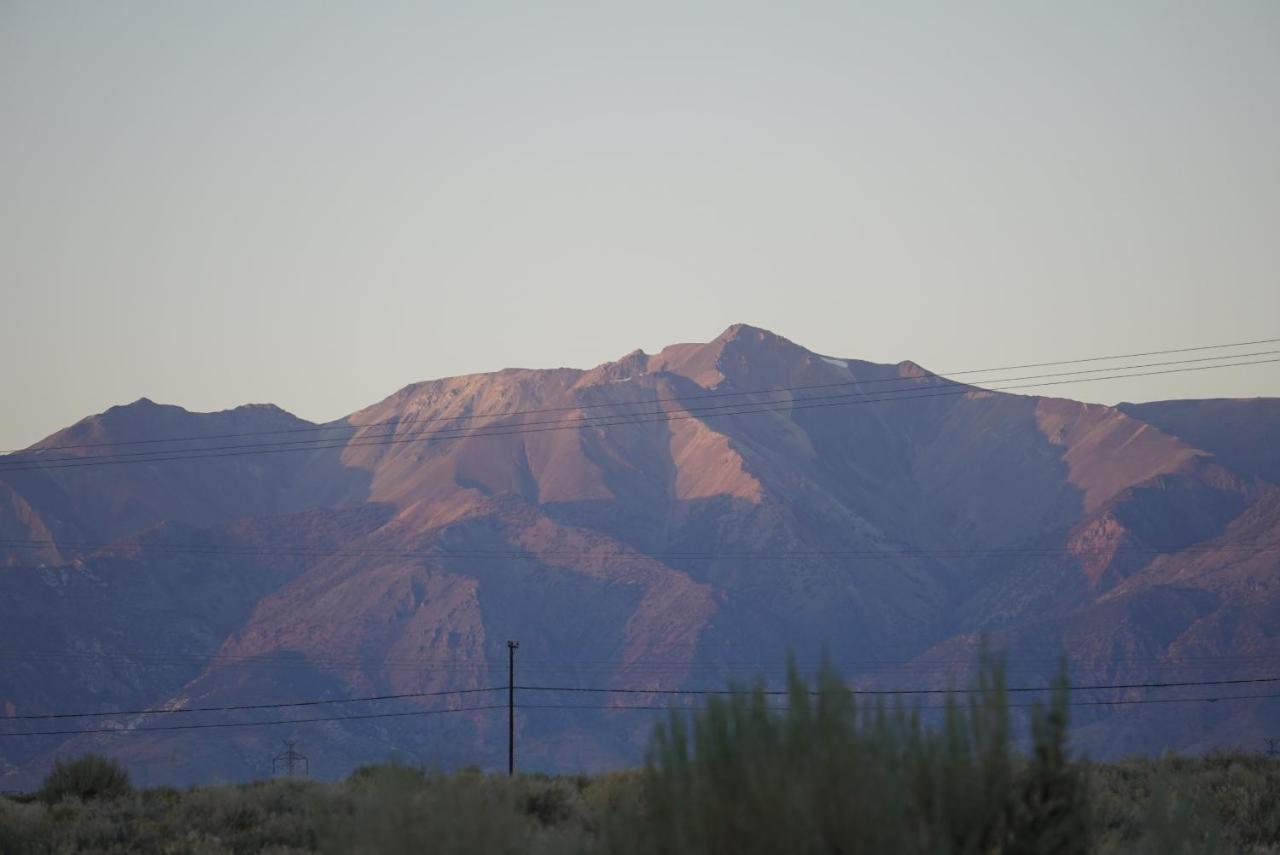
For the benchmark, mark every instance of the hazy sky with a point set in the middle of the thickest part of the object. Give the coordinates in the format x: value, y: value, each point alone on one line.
x: 314, y: 204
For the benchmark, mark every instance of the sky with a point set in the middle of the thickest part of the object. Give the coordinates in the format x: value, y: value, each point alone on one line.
x: 313, y: 204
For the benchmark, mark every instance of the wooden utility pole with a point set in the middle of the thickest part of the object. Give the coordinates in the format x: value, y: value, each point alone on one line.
x: 511, y: 707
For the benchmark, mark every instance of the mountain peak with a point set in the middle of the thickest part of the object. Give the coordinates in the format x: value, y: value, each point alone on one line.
x: 142, y: 404
x: 748, y: 333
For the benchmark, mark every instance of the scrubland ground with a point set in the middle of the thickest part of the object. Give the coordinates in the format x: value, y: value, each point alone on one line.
x: 741, y: 776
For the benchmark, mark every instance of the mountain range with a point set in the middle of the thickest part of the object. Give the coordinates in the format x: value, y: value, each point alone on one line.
x: 667, y: 521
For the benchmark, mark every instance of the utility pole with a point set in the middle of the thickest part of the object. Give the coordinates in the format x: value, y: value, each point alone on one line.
x: 511, y: 706
x: 1273, y: 745
x: 291, y: 759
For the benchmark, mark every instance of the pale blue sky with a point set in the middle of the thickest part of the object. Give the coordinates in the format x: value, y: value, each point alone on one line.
x: 314, y: 204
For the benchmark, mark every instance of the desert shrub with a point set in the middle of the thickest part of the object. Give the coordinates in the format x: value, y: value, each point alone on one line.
x: 1049, y: 809
x: 610, y: 794
x: 1214, y: 803
x: 1243, y: 792
x: 22, y: 827
x: 389, y: 774
x: 1170, y: 820
x: 390, y: 812
x: 254, y: 817
x: 929, y: 789
x: 89, y: 777
x: 826, y: 775
x: 551, y: 801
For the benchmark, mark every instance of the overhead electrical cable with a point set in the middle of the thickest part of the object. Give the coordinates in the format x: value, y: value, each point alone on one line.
x: 913, y: 387
x: 596, y: 707
x: 105, y: 551
x: 1116, y: 703
x: 783, y: 692
x: 272, y: 723
x: 635, y: 691
x: 356, y: 426
x: 419, y: 664
x: 279, y: 705
x: 814, y: 402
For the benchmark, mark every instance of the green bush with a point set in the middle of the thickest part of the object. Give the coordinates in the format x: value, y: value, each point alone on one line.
x: 1049, y: 808
x: 396, y: 809
x: 87, y: 778
x: 21, y: 827
x: 826, y: 775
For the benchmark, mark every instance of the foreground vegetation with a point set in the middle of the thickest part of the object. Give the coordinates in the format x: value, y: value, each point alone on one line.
x: 821, y: 775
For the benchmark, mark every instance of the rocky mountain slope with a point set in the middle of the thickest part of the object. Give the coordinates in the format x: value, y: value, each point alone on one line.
x: 643, y: 524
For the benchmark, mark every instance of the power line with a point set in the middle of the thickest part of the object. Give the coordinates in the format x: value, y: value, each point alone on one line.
x: 418, y: 663
x: 638, y: 691
x: 586, y: 422
x: 912, y: 386
x: 269, y: 723
x: 1123, y: 702
x: 775, y: 675
x: 1118, y: 356
x: 1051, y: 660
x: 281, y: 705
x: 365, y: 552
x: 835, y: 557
x: 784, y: 692
x: 578, y: 406
x: 604, y: 707
x: 510, y: 555
x: 657, y: 668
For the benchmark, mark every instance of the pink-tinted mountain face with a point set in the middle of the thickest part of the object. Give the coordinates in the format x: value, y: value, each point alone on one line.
x: 643, y: 524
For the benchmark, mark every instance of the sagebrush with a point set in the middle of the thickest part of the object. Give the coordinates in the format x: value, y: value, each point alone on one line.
x: 91, y: 776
